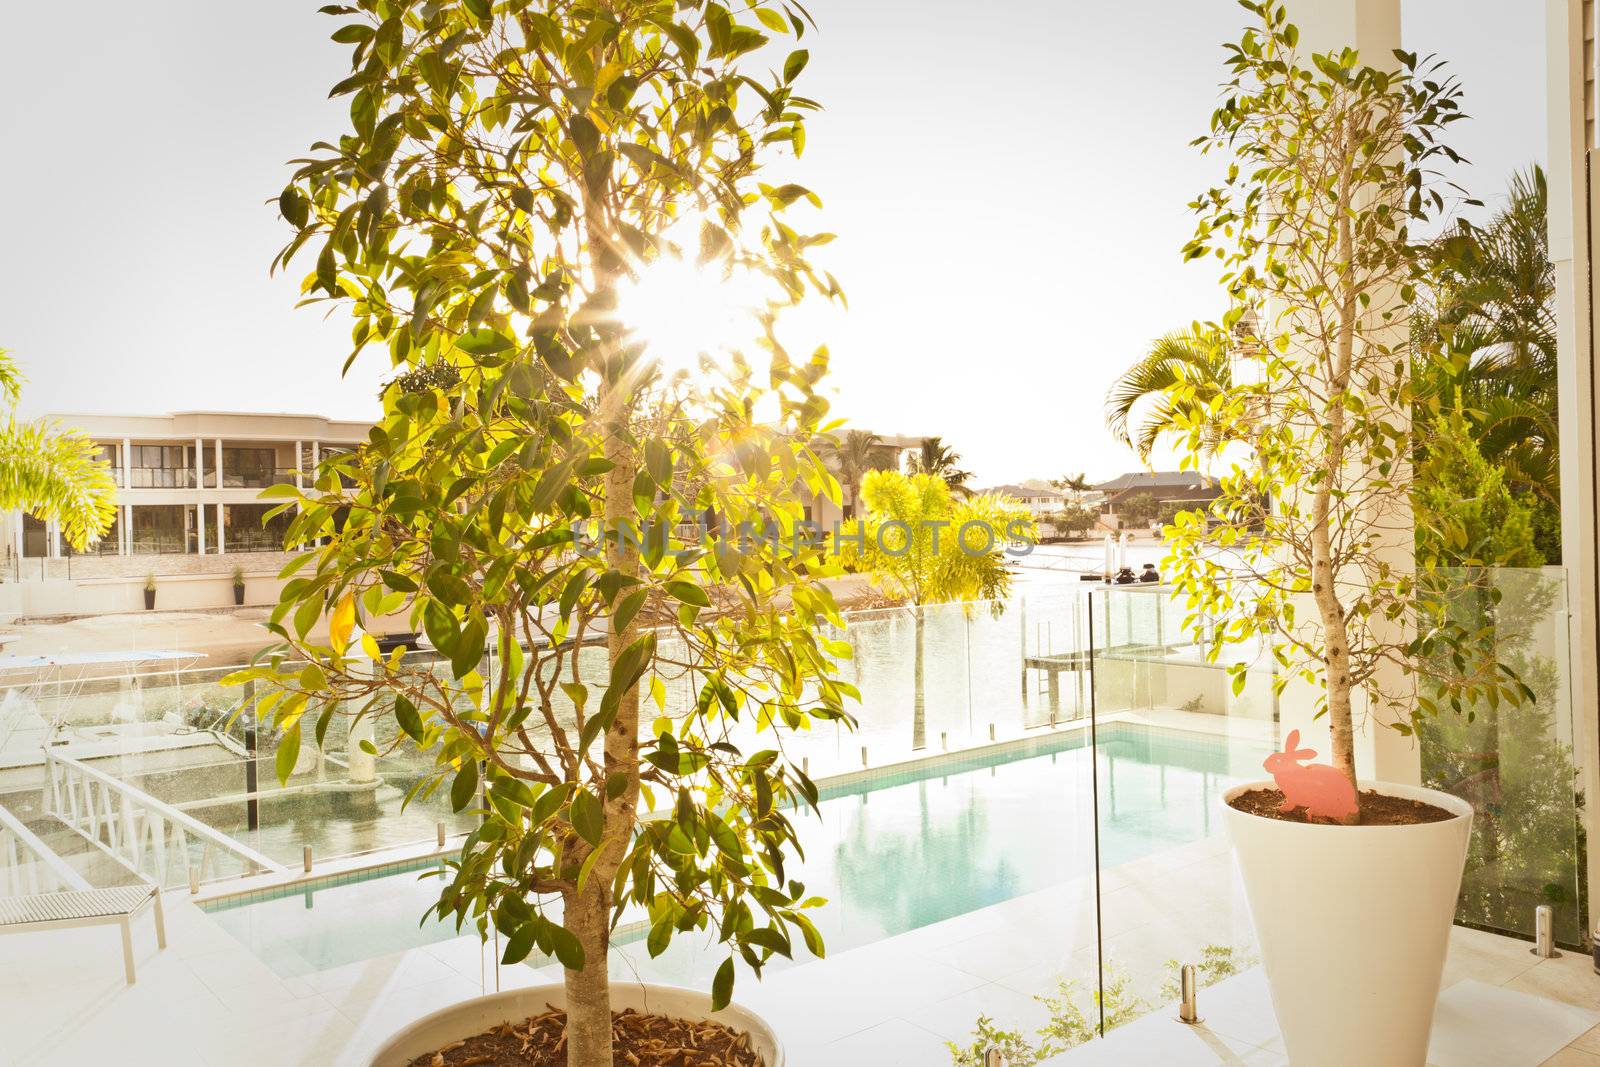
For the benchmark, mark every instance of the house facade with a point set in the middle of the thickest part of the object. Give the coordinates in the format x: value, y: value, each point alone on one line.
x: 1171, y: 491
x: 188, y: 512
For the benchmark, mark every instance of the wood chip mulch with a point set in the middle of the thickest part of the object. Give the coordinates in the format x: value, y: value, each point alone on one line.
x: 636, y: 1040
x: 1376, y: 809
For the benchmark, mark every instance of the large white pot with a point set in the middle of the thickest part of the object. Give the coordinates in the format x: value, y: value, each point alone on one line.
x: 472, y: 1017
x: 1354, y: 924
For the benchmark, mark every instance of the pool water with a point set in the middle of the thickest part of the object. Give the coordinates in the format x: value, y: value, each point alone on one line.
x: 901, y: 850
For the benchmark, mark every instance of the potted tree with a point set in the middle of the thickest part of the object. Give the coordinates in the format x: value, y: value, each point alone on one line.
x: 238, y: 584
x: 1308, y: 549
x: 521, y: 187
x: 150, y: 591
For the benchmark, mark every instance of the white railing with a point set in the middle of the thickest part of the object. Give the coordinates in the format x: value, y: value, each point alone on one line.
x: 27, y: 866
x: 148, y: 835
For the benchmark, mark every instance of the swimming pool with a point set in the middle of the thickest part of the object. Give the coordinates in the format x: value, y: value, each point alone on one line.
x: 895, y: 850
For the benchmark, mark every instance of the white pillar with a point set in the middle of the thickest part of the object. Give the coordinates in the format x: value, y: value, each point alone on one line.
x: 127, y: 447
x: 299, y: 477
x: 53, y: 532
x: 1372, y: 27
x: 126, y: 539
x: 200, y: 528
x: 1573, y: 206
x: 199, y: 462
x: 16, y: 538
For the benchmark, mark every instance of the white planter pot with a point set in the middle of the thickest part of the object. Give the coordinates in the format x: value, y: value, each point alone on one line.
x: 471, y: 1017
x: 1354, y: 924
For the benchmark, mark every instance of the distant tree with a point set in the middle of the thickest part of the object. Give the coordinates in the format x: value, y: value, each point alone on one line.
x: 853, y: 455
x: 1197, y: 359
x: 1494, y: 314
x: 1466, y: 514
x: 924, y: 546
x: 1075, y: 519
x: 1137, y: 509
x: 940, y: 460
x: 52, y: 474
x: 1072, y: 486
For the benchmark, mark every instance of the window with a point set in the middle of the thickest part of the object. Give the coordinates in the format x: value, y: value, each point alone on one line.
x: 35, y: 538
x: 164, y: 530
x: 161, y: 467
x: 250, y: 468
x: 243, y: 530
x: 107, y: 454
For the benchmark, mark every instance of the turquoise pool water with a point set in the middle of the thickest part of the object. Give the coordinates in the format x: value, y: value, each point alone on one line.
x: 898, y: 851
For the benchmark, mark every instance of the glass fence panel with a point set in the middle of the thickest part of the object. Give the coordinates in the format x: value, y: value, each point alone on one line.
x: 1514, y: 762
x: 1170, y: 737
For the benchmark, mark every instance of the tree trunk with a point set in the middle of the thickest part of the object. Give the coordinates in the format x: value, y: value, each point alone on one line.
x: 919, y: 717
x: 587, y: 915
x: 1324, y: 568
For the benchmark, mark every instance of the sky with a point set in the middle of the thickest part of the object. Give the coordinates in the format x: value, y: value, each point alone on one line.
x: 1008, y: 182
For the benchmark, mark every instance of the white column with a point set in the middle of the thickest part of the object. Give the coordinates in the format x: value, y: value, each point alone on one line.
x: 1573, y: 206
x: 199, y: 462
x: 16, y: 538
x: 53, y: 532
x: 126, y: 538
x: 200, y: 528
x: 222, y: 534
x: 1372, y: 27
x: 127, y: 447
x: 299, y: 477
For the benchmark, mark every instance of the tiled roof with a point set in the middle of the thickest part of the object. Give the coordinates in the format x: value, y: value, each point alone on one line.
x: 1155, y: 480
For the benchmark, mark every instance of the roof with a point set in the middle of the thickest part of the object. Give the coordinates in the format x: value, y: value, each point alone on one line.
x: 1155, y: 480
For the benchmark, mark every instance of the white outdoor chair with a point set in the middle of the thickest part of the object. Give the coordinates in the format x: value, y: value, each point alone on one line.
x: 85, y: 907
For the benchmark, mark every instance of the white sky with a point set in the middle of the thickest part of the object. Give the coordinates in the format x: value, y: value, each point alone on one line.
x: 1008, y: 181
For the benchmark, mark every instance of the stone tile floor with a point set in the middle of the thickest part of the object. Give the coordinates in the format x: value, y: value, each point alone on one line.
x: 208, y: 1002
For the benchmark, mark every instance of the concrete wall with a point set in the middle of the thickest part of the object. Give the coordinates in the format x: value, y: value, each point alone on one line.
x: 115, y: 584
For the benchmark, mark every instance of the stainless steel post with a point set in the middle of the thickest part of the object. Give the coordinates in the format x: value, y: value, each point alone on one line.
x: 1544, y: 932
x: 1188, y: 1009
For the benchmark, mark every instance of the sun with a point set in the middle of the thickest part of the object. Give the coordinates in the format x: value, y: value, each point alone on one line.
x: 683, y: 311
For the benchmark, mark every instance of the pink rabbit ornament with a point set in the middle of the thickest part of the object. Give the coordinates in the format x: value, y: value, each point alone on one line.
x: 1322, y: 790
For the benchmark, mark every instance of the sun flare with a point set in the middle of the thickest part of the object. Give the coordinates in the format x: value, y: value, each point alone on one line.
x: 683, y: 311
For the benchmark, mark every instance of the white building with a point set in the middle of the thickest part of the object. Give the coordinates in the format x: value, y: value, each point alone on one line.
x: 188, y: 512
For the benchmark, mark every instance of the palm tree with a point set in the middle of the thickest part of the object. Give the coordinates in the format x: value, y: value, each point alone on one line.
x: 854, y: 454
x: 1197, y: 357
x: 1072, y: 486
x: 939, y: 459
x: 901, y: 545
x: 52, y: 474
x: 1497, y: 313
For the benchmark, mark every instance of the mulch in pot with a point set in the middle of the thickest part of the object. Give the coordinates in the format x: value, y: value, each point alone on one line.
x: 1376, y: 809
x: 637, y: 1040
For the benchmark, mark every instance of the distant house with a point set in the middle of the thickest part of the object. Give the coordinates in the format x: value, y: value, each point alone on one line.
x: 893, y: 450
x: 1172, y: 490
x: 1039, y: 502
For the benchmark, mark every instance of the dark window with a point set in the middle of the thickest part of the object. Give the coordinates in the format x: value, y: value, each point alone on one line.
x: 161, y: 467
x: 164, y: 530
x: 243, y: 529
x: 251, y: 468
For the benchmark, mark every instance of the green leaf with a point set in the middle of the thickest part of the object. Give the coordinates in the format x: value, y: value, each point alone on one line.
x: 519, y: 944
x: 406, y: 717
x: 465, y: 787
x: 480, y: 8
x: 567, y: 948
x: 722, y: 985
x: 795, y: 64
x: 288, y: 753
x: 294, y: 207
x: 354, y: 33
x: 689, y: 593
x: 588, y: 817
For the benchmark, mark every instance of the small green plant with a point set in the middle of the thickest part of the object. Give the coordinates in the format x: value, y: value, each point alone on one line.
x: 150, y: 582
x: 1216, y: 963
x: 1069, y: 1025
x: 238, y: 575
